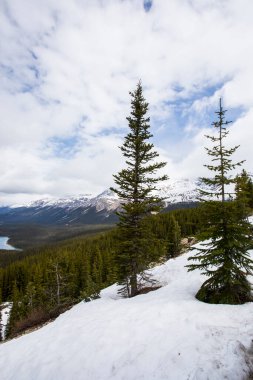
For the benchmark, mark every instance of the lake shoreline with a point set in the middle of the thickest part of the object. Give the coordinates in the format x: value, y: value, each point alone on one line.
x: 5, y: 245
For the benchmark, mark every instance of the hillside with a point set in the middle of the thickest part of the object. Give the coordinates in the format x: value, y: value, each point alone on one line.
x: 165, y: 334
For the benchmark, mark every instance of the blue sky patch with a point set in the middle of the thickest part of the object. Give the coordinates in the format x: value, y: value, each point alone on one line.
x: 182, y: 114
x: 64, y: 147
x: 147, y: 5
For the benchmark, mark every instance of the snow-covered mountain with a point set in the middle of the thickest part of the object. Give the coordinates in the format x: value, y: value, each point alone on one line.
x: 179, y: 191
x: 107, y: 200
x: 91, y: 209
x: 174, y: 191
x: 164, y: 335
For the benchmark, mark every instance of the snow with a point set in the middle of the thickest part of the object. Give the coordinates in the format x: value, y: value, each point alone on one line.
x: 164, y: 335
x: 5, y: 312
x: 250, y: 219
x: 173, y: 191
x: 179, y: 190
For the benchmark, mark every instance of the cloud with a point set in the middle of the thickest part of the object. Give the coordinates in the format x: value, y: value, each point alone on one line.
x: 67, y: 68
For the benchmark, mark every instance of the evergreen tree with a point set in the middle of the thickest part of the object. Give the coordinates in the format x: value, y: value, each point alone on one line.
x: 136, y: 185
x: 250, y: 193
x: 244, y: 191
x: 174, y: 237
x: 224, y: 259
x: 17, y: 310
x: 168, y: 232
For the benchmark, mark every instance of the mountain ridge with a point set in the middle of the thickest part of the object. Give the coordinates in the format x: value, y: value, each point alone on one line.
x: 92, y: 209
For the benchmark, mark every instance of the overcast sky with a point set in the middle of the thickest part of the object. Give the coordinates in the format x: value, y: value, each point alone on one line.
x: 66, y: 71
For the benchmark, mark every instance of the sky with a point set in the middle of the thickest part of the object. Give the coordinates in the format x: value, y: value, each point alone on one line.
x: 66, y: 70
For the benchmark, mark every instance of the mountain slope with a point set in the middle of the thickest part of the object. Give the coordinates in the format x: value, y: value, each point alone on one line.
x: 90, y: 209
x: 165, y: 334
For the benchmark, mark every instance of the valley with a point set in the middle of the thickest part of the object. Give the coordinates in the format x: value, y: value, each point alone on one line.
x: 30, y: 235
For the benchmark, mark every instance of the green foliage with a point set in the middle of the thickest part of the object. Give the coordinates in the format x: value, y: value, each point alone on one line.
x: 190, y: 221
x: 28, y: 236
x: 224, y: 259
x: 244, y: 192
x: 56, y: 277
x: 17, y: 311
x: 250, y: 193
x: 136, y: 184
x: 168, y: 233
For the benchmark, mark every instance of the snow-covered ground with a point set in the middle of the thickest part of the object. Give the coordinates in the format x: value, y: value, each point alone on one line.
x: 165, y: 334
x: 5, y: 312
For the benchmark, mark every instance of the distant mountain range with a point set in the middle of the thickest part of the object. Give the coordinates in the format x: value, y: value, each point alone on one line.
x: 92, y: 210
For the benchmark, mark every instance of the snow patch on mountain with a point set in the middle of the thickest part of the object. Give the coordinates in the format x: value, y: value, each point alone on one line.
x: 68, y: 202
x: 179, y: 191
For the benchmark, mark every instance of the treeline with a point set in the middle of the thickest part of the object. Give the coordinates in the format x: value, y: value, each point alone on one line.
x: 51, y: 279
x: 43, y: 285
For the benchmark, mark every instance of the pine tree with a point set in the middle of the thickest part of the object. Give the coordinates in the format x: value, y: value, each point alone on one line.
x: 224, y: 259
x: 168, y: 233
x: 174, y: 237
x: 250, y: 193
x: 136, y: 186
x: 244, y: 191
x: 17, y: 310
x: 29, y: 298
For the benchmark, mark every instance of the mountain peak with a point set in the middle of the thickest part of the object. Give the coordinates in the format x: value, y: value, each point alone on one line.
x: 89, y: 209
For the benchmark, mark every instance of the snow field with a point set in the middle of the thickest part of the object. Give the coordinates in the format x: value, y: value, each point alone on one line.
x: 164, y: 335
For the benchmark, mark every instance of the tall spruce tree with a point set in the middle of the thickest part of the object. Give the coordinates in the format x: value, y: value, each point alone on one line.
x: 224, y: 259
x: 136, y: 185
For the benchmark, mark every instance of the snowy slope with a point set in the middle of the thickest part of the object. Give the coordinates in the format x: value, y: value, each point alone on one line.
x: 165, y: 334
x: 179, y: 191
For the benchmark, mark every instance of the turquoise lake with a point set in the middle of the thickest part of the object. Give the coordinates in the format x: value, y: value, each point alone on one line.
x: 4, y: 243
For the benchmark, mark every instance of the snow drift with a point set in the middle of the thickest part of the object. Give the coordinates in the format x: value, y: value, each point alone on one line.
x: 165, y: 334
